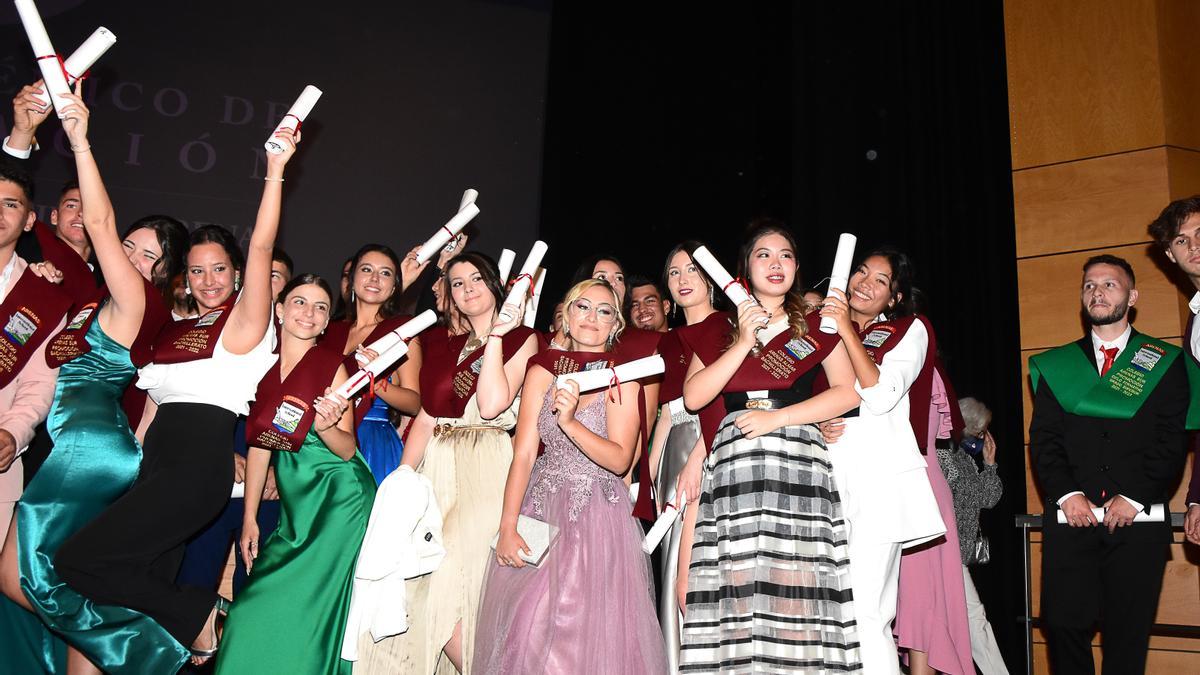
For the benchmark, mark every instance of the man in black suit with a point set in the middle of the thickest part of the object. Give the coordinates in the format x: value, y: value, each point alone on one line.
x: 1108, y: 429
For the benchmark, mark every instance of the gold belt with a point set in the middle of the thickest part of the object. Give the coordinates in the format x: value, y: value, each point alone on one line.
x: 453, y: 429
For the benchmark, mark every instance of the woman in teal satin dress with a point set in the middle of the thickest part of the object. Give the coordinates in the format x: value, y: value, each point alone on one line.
x: 292, y: 612
x: 95, y: 457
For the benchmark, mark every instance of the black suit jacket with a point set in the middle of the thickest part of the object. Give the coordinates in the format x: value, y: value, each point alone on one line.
x: 1139, y: 457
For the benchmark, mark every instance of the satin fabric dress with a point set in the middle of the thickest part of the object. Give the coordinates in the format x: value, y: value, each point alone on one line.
x: 95, y: 460
x: 291, y: 616
x: 378, y: 441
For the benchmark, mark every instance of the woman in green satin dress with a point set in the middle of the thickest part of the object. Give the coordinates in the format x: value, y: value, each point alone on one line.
x: 291, y: 615
x: 95, y: 457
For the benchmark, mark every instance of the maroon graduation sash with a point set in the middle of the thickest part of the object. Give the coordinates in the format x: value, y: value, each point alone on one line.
x: 79, y: 284
x: 71, y: 342
x: 779, y: 363
x: 335, y: 337
x: 192, y: 339
x: 283, y: 411
x: 447, y: 385
x: 714, y: 324
x: 31, y: 311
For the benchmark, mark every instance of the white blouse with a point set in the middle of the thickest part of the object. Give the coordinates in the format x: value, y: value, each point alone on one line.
x: 225, y: 380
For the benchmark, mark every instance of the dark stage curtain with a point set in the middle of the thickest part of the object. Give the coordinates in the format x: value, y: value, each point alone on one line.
x: 888, y: 120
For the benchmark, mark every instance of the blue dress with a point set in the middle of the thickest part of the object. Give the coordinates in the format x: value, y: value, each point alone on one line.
x: 378, y: 441
x: 95, y: 460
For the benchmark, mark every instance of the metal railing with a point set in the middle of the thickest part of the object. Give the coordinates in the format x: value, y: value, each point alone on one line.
x: 1025, y: 523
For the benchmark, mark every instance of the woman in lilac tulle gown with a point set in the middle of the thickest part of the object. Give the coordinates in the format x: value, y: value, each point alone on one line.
x: 588, y: 606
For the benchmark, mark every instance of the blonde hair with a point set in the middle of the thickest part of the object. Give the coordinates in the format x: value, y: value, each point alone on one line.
x: 584, y: 286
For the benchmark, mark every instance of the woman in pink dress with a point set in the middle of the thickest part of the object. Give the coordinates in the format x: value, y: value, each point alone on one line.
x: 588, y: 606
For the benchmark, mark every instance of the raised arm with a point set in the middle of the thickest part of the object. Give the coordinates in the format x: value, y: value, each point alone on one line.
x: 252, y: 314
x: 500, y: 382
x: 122, y: 317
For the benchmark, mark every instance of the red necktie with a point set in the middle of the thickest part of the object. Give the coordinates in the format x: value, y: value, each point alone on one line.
x: 1110, y: 355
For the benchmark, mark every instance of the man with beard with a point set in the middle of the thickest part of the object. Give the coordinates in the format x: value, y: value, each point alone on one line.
x: 1177, y: 231
x: 1107, y: 431
x: 647, y: 308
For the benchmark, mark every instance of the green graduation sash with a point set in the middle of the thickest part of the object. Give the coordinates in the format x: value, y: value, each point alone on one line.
x: 1123, y: 389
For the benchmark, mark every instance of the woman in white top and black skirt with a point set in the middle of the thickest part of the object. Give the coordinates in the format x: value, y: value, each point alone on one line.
x: 203, y: 375
x: 769, y: 582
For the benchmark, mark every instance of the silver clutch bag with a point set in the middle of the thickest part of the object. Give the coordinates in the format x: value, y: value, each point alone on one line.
x: 538, y: 536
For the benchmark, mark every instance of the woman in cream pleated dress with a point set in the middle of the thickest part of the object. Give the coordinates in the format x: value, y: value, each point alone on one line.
x: 470, y: 380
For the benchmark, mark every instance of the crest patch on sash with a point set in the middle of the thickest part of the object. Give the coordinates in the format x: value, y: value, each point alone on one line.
x: 210, y: 318
x: 288, y: 414
x: 877, y: 337
x: 1146, y: 358
x: 596, y: 365
x: 81, y: 318
x: 800, y: 347
x: 20, y: 326
x: 477, y: 365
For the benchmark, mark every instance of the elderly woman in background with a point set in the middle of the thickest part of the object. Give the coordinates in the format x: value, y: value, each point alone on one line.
x: 974, y: 489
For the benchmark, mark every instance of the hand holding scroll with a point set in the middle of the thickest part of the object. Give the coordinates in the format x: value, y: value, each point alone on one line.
x: 751, y: 319
x: 509, y: 317
x: 287, y: 139
x: 834, y: 307
x: 29, y: 112
x: 566, y: 402
x: 330, y: 409
x: 75, y: 116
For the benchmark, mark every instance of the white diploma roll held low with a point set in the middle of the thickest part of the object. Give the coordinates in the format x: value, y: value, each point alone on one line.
x: 43, y: 51
x: 402, y: 334
x: 736, y: 293
x: 590, y: 380
x: 840, y: 276
x: 1157, y: 515
x: 504, y: 266
x: 663, y: 524
x: 516, y: 295
x: 531, y: 311
x: 85, y: 57
x: 447, y: 232
x: 294, y: 117
x: 469, y: 197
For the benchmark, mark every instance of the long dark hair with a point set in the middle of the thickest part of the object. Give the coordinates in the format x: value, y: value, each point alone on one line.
x: 173, y: 240
x: 453, y: 318
x: 689, y: 247
x: 391, y: 306
x: 793, y: 302
x: 304, y: 280
x: 588, y: 267
x: 903, y: 295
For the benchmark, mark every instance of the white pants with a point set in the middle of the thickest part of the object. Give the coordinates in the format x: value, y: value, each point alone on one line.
x: 874, y: 574
x: 984, y: 649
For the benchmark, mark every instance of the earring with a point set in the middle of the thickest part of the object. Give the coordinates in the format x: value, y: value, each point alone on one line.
x: 712, y: 301
x: 674, y: 309
x: 609, y: 342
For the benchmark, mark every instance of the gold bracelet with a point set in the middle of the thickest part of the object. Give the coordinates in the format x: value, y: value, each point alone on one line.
x: 273, y: 180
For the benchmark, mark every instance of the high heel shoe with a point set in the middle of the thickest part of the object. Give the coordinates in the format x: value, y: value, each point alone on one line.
x: 221, y: 609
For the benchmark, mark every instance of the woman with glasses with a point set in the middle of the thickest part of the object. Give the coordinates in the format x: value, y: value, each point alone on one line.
x: 769, y: 583
x: 587, y: 605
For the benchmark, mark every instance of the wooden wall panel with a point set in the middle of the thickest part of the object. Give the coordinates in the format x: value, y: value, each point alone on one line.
x: 1179, y: 601
x: 1183, y: 171
x: 1083, y: 78
x: 1048, y: 289
x: 1088, y: 204
x: 1179, y: 63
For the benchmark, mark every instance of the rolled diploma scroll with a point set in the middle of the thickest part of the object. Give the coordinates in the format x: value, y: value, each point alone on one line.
x: 294, y: 116
x: 403, y: 333
x: 43, y: 51
x: 531, y: 312
x: 469, y: 197
x: 507, y: 258
x: 1157, y: 515
x: 372, y: 370
x: 840, y: 276
x: 447, y: 232
x: 736, y: 293
x: 589, y: 380
x: 516, y: 295
x: 662, y: 525
x: 85, y: 57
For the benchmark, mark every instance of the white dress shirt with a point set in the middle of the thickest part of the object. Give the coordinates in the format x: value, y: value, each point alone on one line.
x: 1098, y: 344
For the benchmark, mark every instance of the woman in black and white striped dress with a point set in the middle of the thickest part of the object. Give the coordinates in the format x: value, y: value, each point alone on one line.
x: 769, y: 579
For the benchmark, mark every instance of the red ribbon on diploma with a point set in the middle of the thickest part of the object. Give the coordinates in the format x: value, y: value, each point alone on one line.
x: 61, y: 66
x: 739, y: 281
x: 614, y: 382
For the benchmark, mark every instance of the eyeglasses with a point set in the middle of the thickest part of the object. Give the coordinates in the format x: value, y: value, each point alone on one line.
x: 604, y: 312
